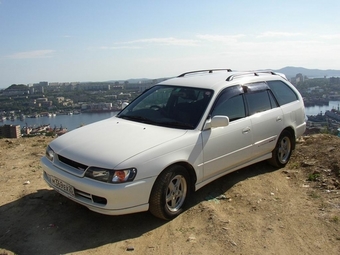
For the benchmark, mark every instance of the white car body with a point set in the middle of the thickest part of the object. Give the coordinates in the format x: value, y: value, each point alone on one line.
x: 211, y: 149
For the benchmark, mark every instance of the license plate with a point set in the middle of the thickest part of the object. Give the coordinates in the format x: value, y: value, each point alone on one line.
x: 61, y: 185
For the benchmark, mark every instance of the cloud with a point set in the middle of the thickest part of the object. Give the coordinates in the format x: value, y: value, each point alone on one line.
x: 168, y: 41
x: 32, y: 54
x: 278, y: 34
x: 119, y: 47
x: 333, y: 36
x: 172, y: 41
x: 160, y: 41
x: 220, y: 38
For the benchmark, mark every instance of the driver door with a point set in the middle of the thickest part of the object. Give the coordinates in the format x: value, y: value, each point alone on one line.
x: 226, y: 147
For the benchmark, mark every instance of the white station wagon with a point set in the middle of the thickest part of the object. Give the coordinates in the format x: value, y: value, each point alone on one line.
x: 176, y: 137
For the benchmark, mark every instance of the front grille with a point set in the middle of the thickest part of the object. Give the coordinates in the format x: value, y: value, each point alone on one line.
x: 72, y: 163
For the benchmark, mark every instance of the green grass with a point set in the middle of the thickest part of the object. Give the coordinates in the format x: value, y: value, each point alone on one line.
x: 313, y: 194
x: 335, y: 219
x: 313, y: 177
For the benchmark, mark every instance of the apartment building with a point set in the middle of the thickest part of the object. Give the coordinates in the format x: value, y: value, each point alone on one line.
x: 10, y: 131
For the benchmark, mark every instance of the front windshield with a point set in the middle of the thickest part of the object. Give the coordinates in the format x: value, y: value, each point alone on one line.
x: 169, y: 106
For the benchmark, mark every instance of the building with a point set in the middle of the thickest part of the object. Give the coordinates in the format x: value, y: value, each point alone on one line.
x: 10, y: 131
x: 94, y: 86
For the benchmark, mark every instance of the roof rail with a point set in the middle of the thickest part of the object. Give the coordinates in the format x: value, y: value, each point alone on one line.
x: 256, y: 73
x: 202, y: 71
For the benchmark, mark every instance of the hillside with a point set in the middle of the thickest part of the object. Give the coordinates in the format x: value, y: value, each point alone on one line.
x: 257, y: 210
x: 291, y: 71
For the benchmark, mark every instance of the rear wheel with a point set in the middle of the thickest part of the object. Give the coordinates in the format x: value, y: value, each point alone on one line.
x: 283, y: 150
x: 169, y: 193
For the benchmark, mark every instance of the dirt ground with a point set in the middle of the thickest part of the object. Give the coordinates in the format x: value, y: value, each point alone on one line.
x: 256, y: 210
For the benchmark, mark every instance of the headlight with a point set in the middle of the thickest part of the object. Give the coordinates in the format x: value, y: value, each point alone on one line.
x: 124, y: 175
x: 111, y: 176
x: 49, y: 153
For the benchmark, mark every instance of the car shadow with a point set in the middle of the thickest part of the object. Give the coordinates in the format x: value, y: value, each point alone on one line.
x: 221, y: 185
x: 45, y: 222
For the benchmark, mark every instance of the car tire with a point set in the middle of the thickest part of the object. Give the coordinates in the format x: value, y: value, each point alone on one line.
x: 283, y: 150
x: 170, y: 192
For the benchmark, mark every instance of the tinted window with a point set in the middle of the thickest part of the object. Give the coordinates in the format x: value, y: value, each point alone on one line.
x: 283, y: 93
x: 230, y: 103
x: 169, y: 106
x: 273, y: 101
x: 258, y: 102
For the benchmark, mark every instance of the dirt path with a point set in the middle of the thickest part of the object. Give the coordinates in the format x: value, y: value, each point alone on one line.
x: 256, y: 210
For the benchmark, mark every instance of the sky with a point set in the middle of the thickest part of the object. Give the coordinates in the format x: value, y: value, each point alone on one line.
x: 101, y: 40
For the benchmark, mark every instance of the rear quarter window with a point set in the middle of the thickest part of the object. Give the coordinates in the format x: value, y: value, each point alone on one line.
x: 282, y: 92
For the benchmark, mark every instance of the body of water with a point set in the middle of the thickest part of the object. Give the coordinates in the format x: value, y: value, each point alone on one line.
x: 66, y: 121
x: 76, y: 120
x: 315, y: 110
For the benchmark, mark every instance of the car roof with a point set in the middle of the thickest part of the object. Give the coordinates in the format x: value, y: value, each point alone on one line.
x: 217, y: 79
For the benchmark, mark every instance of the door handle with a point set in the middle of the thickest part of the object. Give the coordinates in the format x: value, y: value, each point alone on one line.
x: 278, y: 118
x: 246, y: 130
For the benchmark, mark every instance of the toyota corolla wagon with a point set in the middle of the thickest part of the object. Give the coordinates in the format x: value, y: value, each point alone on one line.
x: 174, y: 138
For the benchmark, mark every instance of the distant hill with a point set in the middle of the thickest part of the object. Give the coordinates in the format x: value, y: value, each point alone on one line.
x: 17, y: 87
x: 291, y: 71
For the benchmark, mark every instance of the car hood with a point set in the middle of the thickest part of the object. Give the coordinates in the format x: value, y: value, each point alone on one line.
x: 109, y: 142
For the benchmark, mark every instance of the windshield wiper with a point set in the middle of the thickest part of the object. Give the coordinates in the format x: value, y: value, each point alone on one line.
x: 177, y: 124
x: 172, y: 124
x: 137, y: 118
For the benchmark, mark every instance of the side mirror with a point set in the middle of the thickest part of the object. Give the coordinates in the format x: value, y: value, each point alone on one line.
x: 217, y: 121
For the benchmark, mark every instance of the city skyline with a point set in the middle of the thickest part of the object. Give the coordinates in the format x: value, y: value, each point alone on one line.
x: 78, y: 41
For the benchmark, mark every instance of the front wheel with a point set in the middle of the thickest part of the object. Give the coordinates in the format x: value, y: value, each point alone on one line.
x: 169, y: 193
x: 283, y: 150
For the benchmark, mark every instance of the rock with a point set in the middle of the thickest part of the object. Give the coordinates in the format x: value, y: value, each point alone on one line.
x: 233, y: 243
x: 191, y: 239
x: 330, y: 149
x: 221, y: 197
x: 307, y: 163
x: 130, y: 248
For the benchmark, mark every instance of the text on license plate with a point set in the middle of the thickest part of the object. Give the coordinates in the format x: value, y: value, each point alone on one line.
x: 62, y: 185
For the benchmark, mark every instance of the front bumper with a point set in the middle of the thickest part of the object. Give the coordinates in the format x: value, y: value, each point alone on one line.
x: 105, y: 198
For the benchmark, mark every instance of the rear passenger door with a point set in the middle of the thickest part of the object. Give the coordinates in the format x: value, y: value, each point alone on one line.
x: 292, y: 108
x: 266, y: 117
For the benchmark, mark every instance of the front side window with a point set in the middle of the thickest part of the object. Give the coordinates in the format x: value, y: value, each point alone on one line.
x: 169, y: 106
x: 230, y: 103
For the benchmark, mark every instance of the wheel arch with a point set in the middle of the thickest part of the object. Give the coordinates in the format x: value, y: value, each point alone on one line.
x: 292, y: 133
x: 158, y: 204
x: 191, y: 172
x: 189, y: 168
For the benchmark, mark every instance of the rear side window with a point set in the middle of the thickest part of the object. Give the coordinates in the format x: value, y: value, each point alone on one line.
x: 258, y: 101
x: 283, y: 93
